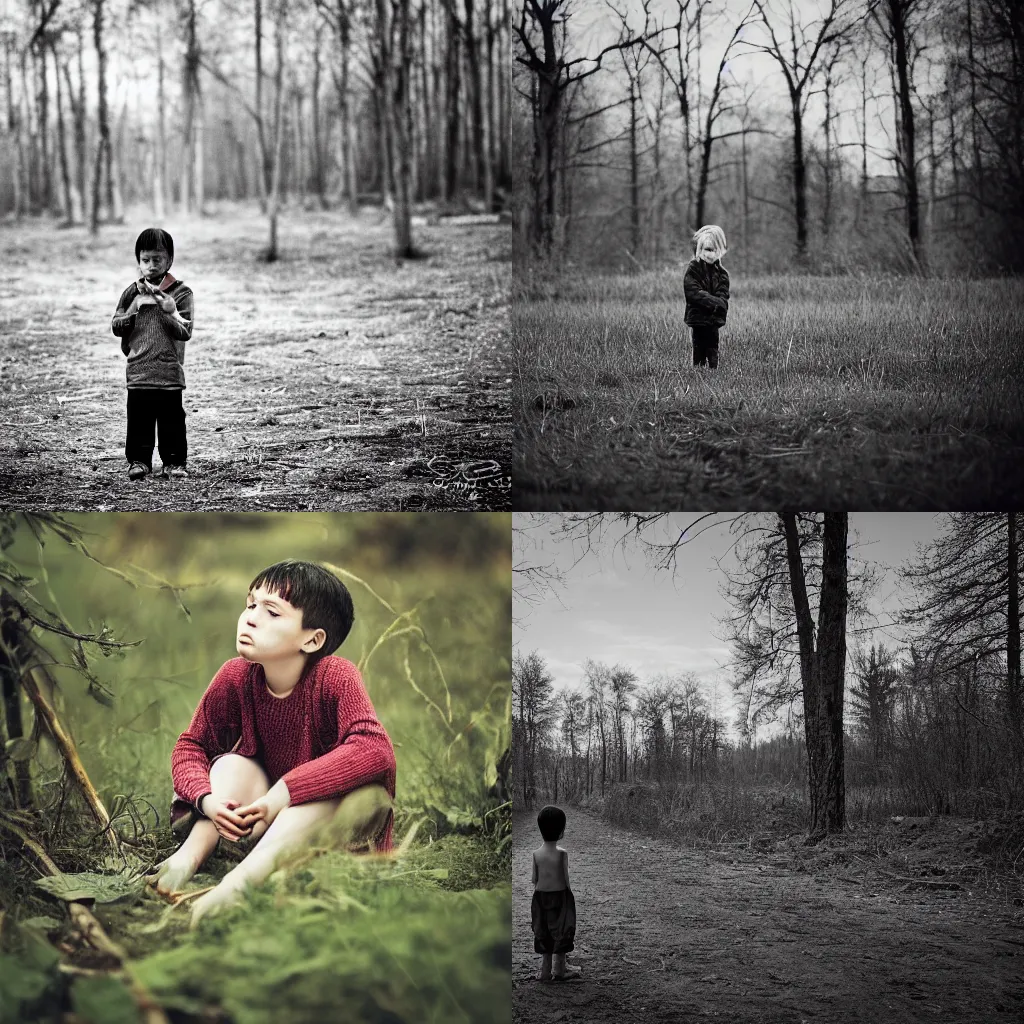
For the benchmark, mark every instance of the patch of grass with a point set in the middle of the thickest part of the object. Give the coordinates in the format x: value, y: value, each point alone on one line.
x: 884, y: 393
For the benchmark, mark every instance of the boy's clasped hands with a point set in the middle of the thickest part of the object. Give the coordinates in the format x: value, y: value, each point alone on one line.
x: 151, y: 296
x: 235, y: 822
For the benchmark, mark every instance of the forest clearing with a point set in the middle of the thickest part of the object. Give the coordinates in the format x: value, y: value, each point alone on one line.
x: 333, y: 378
x: 420, y: 936
x: 902, y: 922
x: 880, y: 393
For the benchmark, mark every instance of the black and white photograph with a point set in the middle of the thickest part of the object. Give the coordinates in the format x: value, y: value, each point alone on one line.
x: 766, y: 767
x: 767, y: 251
x: 255, y: 254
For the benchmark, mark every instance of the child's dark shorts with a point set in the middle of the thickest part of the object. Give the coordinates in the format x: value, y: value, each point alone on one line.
x: 554, y: 921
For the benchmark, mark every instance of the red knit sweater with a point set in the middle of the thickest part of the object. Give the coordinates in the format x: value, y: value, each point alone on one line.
x: 323, y: 739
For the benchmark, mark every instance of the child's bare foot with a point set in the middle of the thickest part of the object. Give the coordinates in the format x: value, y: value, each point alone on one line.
x: 562, y: 971
x: 173, y: 874
x: 226, y: 894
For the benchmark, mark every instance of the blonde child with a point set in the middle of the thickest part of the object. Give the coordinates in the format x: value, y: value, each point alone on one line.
x: 706, y: 287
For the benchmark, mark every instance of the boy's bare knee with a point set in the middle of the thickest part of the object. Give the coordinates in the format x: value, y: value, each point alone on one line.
x: 237, y: 777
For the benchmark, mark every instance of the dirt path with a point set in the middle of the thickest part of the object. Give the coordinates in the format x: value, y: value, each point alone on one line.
x: 331, y: 379
x: 667, y: 934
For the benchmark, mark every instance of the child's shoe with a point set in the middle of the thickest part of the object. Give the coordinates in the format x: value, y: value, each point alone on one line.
x: 173, y: 470
x: 137, y: 471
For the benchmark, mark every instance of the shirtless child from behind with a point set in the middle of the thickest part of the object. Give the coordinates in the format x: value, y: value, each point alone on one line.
x: 553, y: 913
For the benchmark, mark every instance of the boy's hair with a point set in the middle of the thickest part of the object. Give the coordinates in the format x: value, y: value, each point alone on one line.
x: 324, y: 600
x: 551, y: 822
x: 713, y: 234
x: 154, y: 238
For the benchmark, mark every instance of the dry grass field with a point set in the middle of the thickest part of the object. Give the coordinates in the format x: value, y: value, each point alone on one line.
x: 860, y: 392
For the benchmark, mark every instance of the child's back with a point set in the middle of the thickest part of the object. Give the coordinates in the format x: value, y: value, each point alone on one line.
x: 551, y: 868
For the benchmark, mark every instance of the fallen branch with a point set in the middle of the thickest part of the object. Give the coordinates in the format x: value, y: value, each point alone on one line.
x: 66, y: 745
x: 92, y: 931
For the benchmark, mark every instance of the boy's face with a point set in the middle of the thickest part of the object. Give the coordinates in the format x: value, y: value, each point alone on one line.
x: 270, y: 628
x: 153, y: 264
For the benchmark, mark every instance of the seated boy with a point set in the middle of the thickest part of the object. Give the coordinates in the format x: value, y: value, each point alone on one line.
x: 283, y: 741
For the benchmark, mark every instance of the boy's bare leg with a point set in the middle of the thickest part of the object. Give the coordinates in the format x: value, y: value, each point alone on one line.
x: 233, y: 777
x: 358, y: 815
x: 563, y: 972
x: 545, y: 967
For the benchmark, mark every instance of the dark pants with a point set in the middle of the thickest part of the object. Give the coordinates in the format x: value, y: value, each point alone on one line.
x: 553, y: 916
x: 705, y: 346
x: 152, y: 411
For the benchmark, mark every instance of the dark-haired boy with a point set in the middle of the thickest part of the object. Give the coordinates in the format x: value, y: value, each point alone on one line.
x: 283, y: 741
x: 153, y: 319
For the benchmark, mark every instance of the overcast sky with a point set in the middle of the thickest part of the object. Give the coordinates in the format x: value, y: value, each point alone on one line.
x: 613, y: 608
x: 592, y: 25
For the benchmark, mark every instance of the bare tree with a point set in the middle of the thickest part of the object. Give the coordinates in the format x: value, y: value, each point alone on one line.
x: 968, y: 596
x: 799, y: 64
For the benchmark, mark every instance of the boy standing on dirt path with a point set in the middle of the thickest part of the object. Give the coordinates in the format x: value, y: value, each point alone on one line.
x: 283, y: 742
x: 553, y: 912
x: 153, y: 319
x: 706, y: 287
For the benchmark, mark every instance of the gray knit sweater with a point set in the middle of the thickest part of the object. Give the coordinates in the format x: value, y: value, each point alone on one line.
x: 154, y: 341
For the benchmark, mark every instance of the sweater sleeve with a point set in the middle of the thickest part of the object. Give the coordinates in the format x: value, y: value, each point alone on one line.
x: 695, y: 295
x: 215, y: 728
x: 362, y: 755
x: 181, y: 318
x: 122, y: 324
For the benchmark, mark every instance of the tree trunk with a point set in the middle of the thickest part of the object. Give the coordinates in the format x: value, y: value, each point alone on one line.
x: 634, y: 174
x: 160, y: 157
x: 1013, y: 667
x: 799, y: 178
x: 62, y: 151
x: 46, y: 196
x: 273, y: 198
x: 14, y: 129
x: 478, y: 156
x: 822, y: 671
x: 263, y: 177
x: 453, y: 66
x: 897, y: 14
x: 103, y: 159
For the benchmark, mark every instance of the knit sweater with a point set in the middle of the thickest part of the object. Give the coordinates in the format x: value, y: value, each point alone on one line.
x: 323, y: 739
x: 154, y: 341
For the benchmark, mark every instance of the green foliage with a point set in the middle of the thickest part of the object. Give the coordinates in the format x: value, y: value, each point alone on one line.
x: 103, y: 1001
x: 28, y: 977
x: 347, y: 938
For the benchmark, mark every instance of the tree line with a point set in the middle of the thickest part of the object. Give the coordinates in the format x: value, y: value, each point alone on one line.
x: 314, y: 102
x: 635, y: 144
x: 932, y: 726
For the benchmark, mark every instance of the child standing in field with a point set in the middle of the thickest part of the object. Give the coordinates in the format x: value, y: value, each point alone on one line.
x: 553, y: 912
x: 706, y: 287
x: 284, y: 741
x: 153, y: 319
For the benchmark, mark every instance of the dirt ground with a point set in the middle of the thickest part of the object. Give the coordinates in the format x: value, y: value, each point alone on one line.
x: 665, y: 933
x: 331, y: 379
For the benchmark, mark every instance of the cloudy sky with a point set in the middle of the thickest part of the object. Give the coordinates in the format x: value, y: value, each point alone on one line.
x: 592, y: 25
x: 612, y: 607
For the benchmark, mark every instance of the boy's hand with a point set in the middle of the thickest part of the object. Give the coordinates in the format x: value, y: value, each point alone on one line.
x: 268, y: 807
x: 165, y: 302
x: 225, y: 817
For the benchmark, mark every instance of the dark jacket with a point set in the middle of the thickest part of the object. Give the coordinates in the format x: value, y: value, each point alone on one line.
x: 706, y: 287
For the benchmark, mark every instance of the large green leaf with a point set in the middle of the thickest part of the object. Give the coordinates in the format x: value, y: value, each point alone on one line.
x: 86, y: 885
